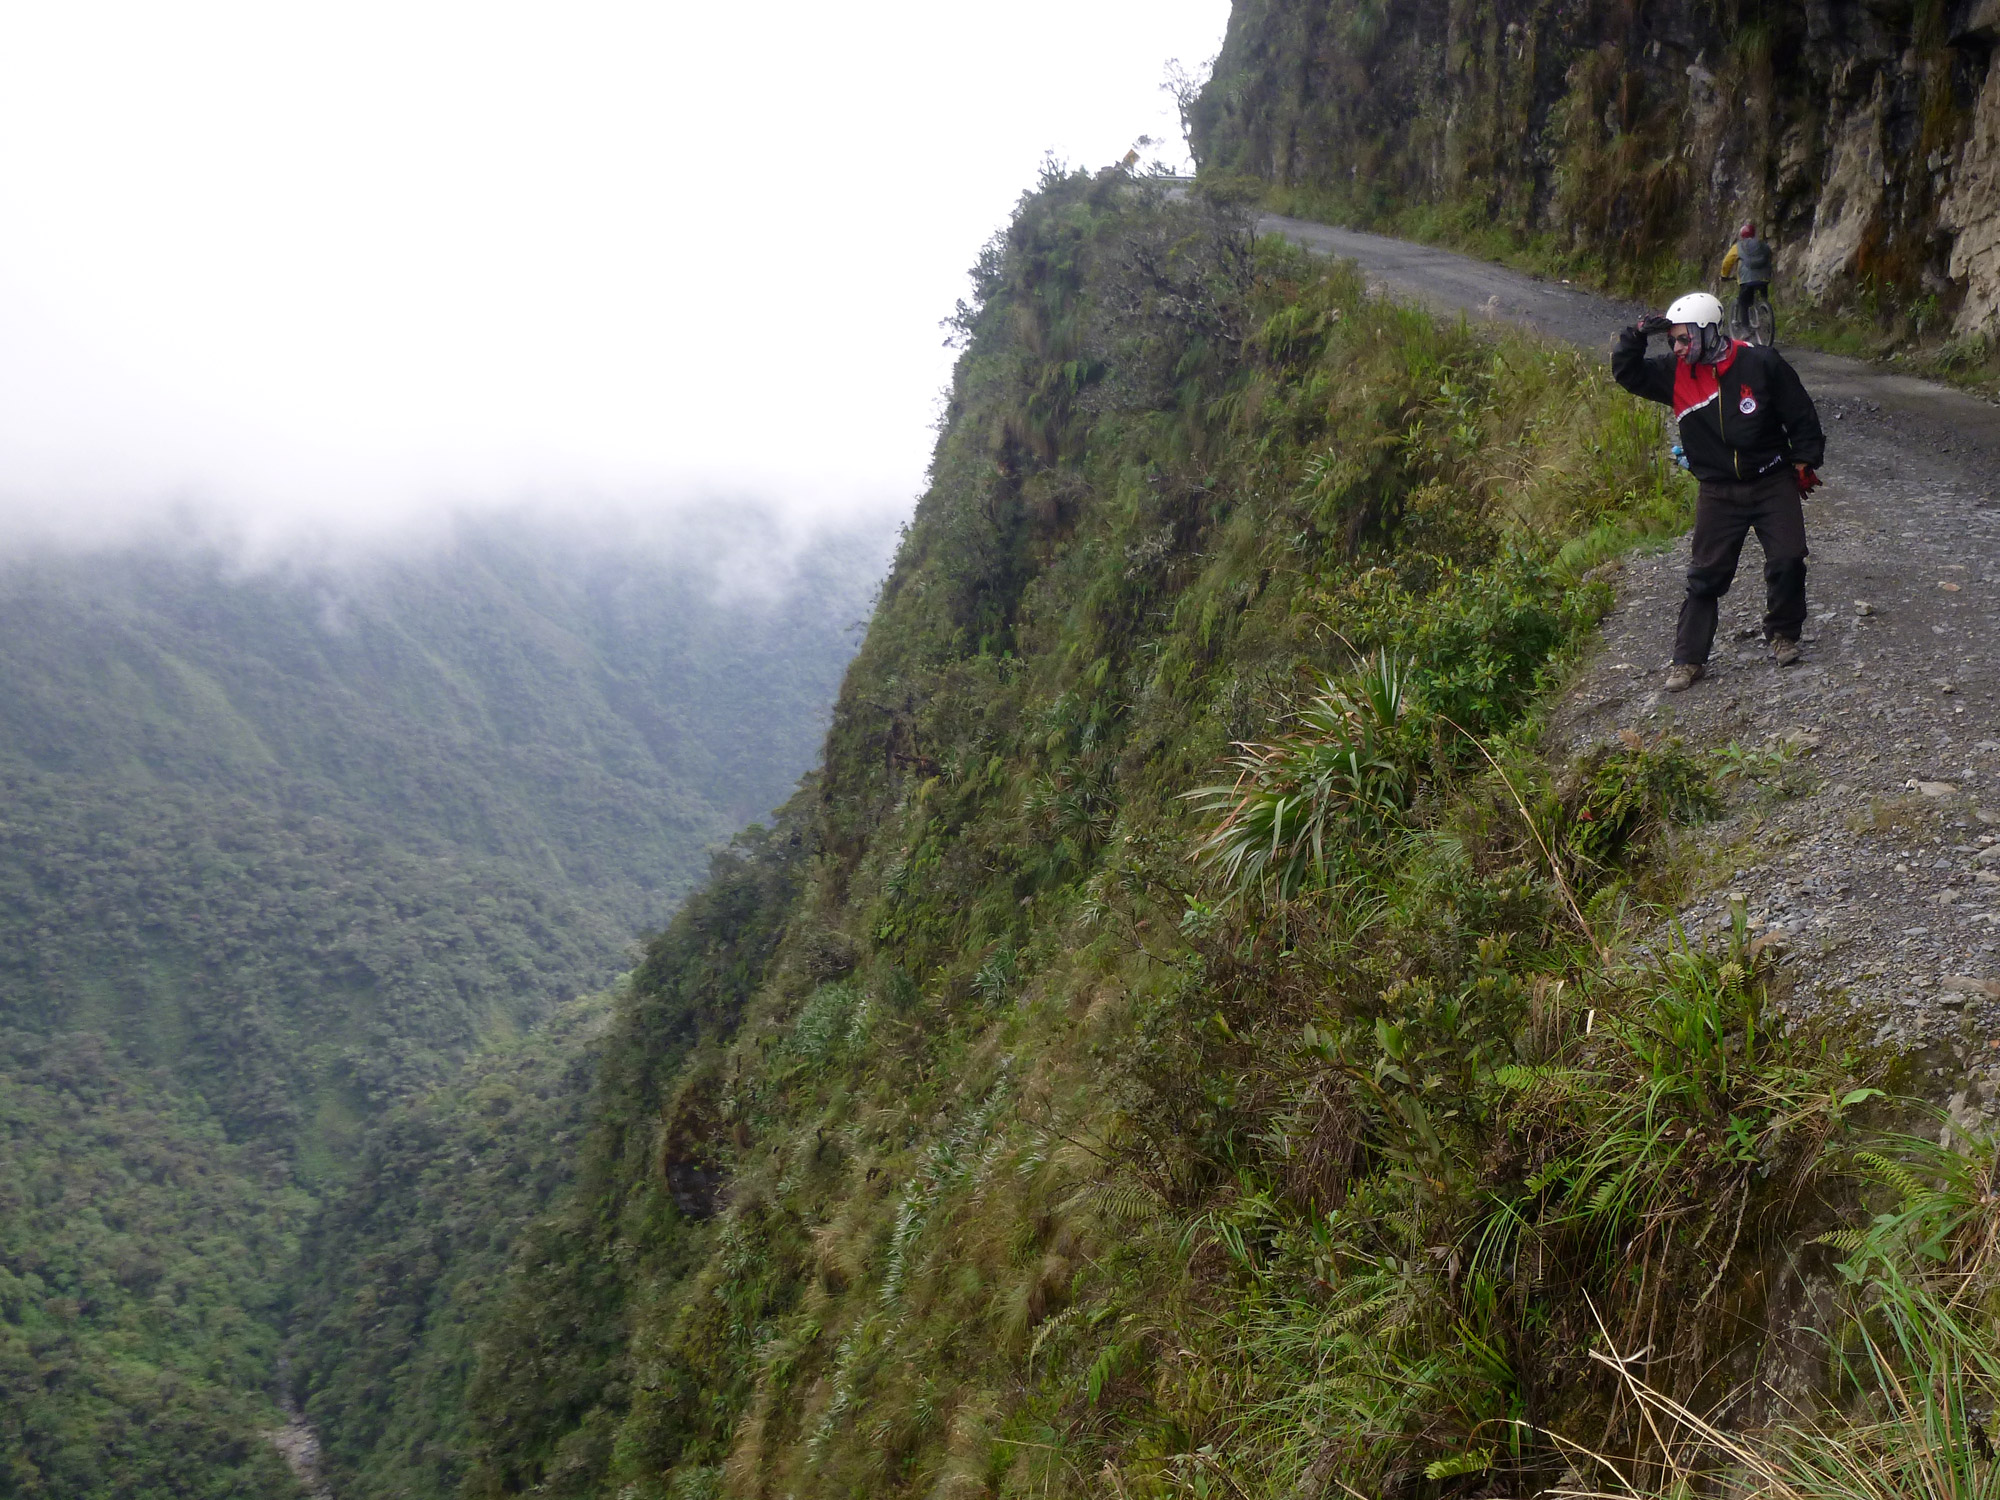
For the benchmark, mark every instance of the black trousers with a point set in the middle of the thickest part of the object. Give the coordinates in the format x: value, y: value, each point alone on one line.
x: 1747, y: 293
x: 1725, y: 513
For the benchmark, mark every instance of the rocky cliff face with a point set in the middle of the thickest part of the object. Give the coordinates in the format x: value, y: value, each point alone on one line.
x: 1862, y: 135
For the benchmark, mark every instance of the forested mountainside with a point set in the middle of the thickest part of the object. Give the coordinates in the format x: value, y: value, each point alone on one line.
x: 1191, y: 1039
x: 304, y: 833
x: 1630, y: 141
x: 398, y: 1270
x: 281, y: 846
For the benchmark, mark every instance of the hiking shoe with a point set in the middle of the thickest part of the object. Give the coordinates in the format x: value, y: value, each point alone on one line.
x: 1683, y: 675
x: 1784, y: 651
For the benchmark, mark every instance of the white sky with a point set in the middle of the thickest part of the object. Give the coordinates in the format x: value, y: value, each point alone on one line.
x: 362, y: 258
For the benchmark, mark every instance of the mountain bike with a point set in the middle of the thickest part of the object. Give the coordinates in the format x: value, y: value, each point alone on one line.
x: 1762, y: 328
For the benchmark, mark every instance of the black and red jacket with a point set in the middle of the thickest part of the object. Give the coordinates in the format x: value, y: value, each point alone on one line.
x: 1741, y: 417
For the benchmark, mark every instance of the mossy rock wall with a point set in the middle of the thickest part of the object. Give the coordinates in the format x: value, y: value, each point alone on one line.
x: 1637, y: 137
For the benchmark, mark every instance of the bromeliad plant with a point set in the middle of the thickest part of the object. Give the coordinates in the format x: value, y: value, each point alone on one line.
x: 1301, y: 807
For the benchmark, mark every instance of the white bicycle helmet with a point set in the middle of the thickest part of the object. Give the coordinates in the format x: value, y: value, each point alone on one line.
x: 1698, y: 308
x: 1703, y: 313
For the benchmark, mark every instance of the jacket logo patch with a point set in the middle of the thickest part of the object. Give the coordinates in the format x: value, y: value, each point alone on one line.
x: 1748, y: 404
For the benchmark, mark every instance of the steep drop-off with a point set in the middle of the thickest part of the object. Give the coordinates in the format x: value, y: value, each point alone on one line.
x: 281, y: 847
x: 1190, y: 1040
x: 1633, y: 139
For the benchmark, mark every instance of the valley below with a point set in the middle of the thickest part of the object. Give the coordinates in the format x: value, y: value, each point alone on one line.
x: 286, y: 848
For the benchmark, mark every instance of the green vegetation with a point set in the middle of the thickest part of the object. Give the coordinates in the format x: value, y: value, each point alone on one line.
x: 397, y: 1267
x: 1193, y: 1040
x: 306, y: 838
x: 295, y: 971
x: 556, y: 1358
x: 1917, y: 1355
x: 142, y: 1265
x: 281, y: 849
x: 1300, y: 809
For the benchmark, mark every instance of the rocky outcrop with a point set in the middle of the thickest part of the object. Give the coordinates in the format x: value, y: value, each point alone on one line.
x: 1971, y: 208
x: 1862, y: 135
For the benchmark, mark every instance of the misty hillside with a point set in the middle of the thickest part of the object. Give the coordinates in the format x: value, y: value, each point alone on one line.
x: 392, y: 804
x: 282, y: 844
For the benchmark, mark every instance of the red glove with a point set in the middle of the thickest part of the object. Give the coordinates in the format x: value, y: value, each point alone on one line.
x: 1807, y: 477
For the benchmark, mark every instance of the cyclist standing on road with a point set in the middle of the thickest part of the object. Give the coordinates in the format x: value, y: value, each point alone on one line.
x: 1749, y: 261
x: 1753, y: 439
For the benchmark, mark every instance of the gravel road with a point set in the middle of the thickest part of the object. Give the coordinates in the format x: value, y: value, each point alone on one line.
x: 1864, y: 834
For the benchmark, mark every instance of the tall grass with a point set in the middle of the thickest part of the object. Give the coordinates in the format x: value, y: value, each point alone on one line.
x: 1550, y: 1196
x: 1920, y: 1358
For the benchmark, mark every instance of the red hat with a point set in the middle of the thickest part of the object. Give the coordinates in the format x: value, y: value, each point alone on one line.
x: 1747, y: 232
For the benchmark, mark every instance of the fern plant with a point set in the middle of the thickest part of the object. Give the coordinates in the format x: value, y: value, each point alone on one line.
x: 1924, y: 1273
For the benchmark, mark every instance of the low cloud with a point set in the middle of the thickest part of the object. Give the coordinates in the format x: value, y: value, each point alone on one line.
x: 331, y: 277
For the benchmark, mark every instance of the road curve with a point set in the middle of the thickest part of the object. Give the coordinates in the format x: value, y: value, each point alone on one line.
x: 1454, y: 283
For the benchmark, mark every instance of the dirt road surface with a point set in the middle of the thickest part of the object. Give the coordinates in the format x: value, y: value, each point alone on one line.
x: 1865, y: 833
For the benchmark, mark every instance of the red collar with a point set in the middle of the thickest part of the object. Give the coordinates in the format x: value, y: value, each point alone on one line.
x: 1696, y: 386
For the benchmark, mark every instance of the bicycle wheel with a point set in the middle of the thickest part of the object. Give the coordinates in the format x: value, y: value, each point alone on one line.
x: 1763, y: 324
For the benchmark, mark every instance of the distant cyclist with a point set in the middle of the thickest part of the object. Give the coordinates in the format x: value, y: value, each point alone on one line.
x: 1749, y: 261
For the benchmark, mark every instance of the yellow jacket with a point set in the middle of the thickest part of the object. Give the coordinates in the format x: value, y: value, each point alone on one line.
x: 1729, y: 263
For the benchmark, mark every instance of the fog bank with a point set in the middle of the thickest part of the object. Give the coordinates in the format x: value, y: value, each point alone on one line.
x: 320, y: 269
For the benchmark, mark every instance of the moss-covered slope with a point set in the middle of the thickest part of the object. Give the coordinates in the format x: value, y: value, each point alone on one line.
x: 1189, y: 1041
x: 864, y: 1231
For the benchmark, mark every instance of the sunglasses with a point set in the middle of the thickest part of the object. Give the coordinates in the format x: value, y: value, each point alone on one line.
x: 1680, y: 340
